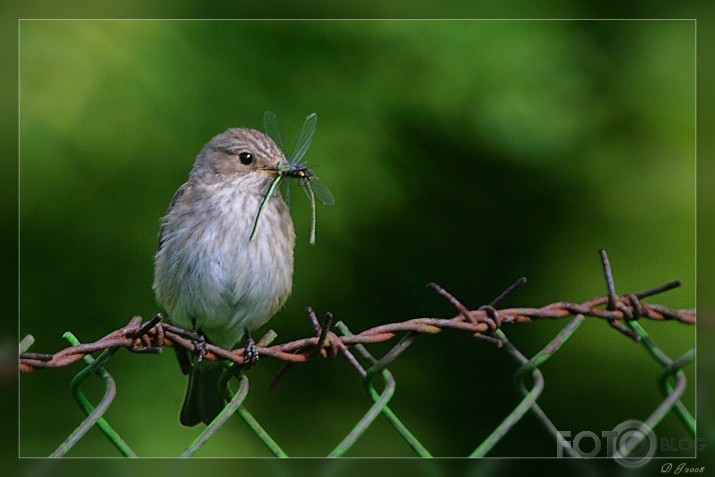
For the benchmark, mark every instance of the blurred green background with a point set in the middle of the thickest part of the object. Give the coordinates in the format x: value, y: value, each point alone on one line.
x: 468, y: 153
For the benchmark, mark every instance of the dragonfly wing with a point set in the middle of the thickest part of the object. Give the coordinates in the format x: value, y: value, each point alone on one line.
x: 270, y: 124
x: 322, y: 193
x: 304, y: 139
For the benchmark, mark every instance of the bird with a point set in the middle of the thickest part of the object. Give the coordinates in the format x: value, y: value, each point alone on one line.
x: 216, y: 273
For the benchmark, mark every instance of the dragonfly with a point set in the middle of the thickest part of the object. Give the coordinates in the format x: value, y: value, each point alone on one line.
x: 296, y: 169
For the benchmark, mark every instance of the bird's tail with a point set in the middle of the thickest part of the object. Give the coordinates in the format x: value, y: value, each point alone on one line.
x: 204, y: 399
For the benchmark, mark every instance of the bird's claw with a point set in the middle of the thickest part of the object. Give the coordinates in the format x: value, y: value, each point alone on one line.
x: 250, y: 352
x: 199, y: 346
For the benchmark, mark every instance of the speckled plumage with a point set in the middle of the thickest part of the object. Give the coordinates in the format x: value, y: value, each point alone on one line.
x: 209, y: 275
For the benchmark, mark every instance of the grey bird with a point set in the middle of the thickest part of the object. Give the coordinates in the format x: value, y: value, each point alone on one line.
x: 210, y: 276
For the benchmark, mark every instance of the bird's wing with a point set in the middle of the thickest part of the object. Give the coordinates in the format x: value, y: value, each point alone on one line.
x: 182, y: 190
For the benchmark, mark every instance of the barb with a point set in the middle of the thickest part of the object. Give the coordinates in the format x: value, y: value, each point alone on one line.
x: 319, y: 347
x: 486, y: 323
x: 155, y: 334
x: 613, y: 300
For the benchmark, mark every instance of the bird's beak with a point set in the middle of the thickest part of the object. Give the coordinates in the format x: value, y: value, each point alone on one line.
x: 270, y: 170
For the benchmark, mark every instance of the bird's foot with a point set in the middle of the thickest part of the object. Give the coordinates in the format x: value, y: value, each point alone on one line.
x: 250, y: 351
x: 199, y: 341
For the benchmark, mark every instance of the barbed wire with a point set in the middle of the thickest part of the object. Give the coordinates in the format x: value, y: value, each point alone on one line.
x: 154, y: 335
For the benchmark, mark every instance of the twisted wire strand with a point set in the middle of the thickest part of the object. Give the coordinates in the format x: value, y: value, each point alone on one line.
x: 152, y: 336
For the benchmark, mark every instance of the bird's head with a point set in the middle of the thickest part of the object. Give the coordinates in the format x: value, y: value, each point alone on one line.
x: 239, y: 153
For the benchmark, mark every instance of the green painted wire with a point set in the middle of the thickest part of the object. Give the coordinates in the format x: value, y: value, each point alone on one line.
x: 379, y: 406
x: 675, y: 368
x: 410, y: 438
x: 549, y: 350
x: 220, y: 420
x: 235, y: 404
x: 670, y: 368
x: 94, y: 414
x: 529, y: 367
x: 26, y: 342
x: 379, y: 368
x: 261, y: 432
x: 248, y: 418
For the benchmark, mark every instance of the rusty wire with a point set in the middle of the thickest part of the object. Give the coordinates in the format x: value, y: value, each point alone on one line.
x: 152, y: 336
x: 485, y: 323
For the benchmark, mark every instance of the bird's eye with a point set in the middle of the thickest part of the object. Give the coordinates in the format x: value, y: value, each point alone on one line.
x: 245, y: 158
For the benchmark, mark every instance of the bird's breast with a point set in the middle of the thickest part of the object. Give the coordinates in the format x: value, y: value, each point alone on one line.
x: 215, y: 272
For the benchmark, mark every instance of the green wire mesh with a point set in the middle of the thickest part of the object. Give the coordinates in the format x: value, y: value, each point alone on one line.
x: 671, y: 382
x: 374, y: 374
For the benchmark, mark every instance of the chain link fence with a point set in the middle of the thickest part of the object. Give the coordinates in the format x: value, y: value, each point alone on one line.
x: 622, y: 312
